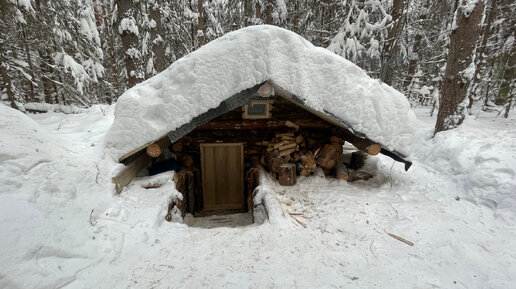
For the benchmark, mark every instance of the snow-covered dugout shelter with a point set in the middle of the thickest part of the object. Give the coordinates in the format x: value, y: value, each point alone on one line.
x: 258, y: 94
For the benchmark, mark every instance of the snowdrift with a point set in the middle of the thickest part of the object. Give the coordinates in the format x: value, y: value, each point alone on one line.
x: 24, y: 145
x: 242, y: 59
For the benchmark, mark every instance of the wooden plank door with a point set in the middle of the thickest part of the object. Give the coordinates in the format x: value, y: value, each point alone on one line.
x: 223, y: 176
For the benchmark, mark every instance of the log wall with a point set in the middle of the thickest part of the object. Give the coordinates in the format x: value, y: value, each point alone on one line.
x: 231, y: 127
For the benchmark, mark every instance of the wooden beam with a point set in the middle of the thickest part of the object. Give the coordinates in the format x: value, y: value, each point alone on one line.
x: 130, y: 171
x: 128, y: 155
x: 156, y: 148
x: 153, y: 150
x: 363, y: 144
x: 266, y: 90
x: 366, y: 145
x: 292, y: 125
x: 260, y: 124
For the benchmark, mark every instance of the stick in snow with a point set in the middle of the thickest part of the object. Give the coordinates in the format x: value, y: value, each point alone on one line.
x: 293, y: 214
x: 93, y: 222
x: 401, y: 239
x: 302, y: 215
x: 301, y: 223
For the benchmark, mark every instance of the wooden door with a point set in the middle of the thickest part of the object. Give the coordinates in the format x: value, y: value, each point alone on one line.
x: 223, y: 176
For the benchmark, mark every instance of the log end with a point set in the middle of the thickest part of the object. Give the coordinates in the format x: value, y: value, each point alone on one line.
x: 374, y: 149
x: 154, y: 150
x: 287, y: 174
x: 305, y: 173
x: 177, y: 147
x: 266, y: 90
x: 343, y: 177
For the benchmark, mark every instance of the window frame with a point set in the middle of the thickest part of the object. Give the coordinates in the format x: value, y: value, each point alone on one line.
x: 245, y: 108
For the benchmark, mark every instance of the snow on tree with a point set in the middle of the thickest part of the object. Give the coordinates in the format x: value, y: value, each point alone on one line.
x: 129, y: 32
x: 363, y: 30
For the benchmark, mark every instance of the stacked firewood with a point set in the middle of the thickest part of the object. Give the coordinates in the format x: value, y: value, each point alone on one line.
x: 297, y: 147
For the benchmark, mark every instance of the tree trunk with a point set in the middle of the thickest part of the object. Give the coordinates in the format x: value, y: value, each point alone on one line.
x: 415, y: 48
x: 508, y: 107
x: 192, y: 28
x: 129, y: 40
x: 7, y: 85
x: 462, y: 43
x: 295, y: 18
x: 46, y: 73
x: 509, y: 74
x: 268, y: 11
x: 481, y: 50
x: 32, y: 94
x: 110, y: 47
x: 247, y: 13
x: 157, y: 39
x: 258, y: 8
x: 200, y: 23
x: 391, y: 49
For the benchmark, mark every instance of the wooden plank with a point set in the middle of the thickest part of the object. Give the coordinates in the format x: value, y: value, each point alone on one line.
x: 203, y: 150
x: 208, y: 177
x: 129, y: 172
x: 219, y: 167
x: 233, y: 171
x: 240, y: 174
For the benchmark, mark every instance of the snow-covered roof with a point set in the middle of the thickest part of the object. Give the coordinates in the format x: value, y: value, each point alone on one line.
x: 242, y: 59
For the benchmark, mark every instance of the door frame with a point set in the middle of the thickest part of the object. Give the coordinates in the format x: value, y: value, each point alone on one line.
x: 203, y: 173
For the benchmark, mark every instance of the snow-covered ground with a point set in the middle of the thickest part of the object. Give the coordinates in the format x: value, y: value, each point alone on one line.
x: 62, y: 227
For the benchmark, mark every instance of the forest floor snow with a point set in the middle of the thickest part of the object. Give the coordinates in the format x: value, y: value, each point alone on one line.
x: 62, y: 227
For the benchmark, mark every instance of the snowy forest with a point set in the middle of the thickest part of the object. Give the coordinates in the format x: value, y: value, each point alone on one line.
x: 86, y: 52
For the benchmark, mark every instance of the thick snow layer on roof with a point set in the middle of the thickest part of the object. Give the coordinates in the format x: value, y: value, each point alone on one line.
x: 242, y: 59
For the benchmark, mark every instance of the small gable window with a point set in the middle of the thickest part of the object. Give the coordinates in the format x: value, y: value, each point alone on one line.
x: 258, y: 109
